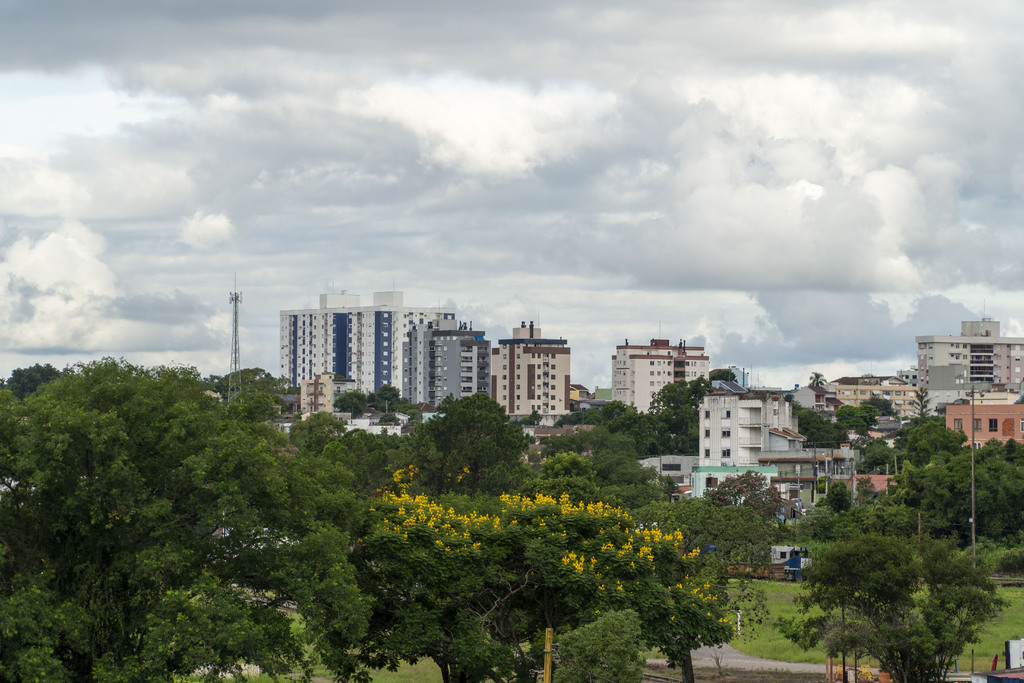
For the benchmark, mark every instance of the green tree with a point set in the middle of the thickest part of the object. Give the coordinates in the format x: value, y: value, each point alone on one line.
x: 567, y: 473
x: 468, y: 589
x: 838, y: 498
x: 941, y: 491
x: 931, y: 439
x: 676, y: 409
x: 386, y: 398
x: 722, y: 375
x: 153, y: 531
x: 590, y: 443
x: 816, y: 380
x: 857, y: 418
x: 249, y: 379
x: 922, y: 403
x: 750, y: 489
x: 883, y: 405
x: 532, y: 419
x: 912, y: 612
x: 607, y: 649
x: 470, y: 448
x: 818, y: 431
x: 620, y: 418
x: 591, y: 416
x: 876, y: 455
x: 352, y: 402
x: 25, y: 381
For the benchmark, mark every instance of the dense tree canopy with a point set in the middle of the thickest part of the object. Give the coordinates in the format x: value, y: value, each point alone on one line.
x: 751, y: 490
x: 857, y: 418
x: 468, y: 589
x: 148, y: 531
x: 911, y: 611
x: 24, y: 381
x: 470, y: 448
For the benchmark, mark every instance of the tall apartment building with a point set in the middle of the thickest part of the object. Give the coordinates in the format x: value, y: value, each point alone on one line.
x: 442, y: 358
x: 639, y: 371
x: 948, y: 367
x: 529, y: 372
x: 363, y: 343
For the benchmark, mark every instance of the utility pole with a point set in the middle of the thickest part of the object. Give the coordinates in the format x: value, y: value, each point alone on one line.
x: 974, y: 524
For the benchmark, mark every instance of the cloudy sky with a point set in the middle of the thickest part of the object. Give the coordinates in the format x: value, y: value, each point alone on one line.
x: 800, y: 185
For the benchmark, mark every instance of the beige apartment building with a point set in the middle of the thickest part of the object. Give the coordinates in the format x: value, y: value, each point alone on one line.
x: 853, y: 391
x: 530, y: 372
x: 639, y: 371
x: 318, y: 394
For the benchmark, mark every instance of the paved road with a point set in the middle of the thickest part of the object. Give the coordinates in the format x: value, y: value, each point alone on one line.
x: 734, y: 659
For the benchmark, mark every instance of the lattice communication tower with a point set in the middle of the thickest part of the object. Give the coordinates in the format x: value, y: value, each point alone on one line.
x: 234, y: 298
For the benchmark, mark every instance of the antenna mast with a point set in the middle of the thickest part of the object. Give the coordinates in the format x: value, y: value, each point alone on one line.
x: 234, y: 298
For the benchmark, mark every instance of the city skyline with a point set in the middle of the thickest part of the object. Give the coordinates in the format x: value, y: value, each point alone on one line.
x: 795, y: 186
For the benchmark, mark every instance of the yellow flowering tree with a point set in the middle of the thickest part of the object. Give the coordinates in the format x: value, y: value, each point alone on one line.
x: 467, y: 590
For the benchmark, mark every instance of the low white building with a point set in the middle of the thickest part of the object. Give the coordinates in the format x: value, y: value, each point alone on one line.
x: 736, y: 428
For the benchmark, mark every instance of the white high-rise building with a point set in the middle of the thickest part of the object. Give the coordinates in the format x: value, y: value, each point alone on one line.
x: 362, y: 343
x: 639, y: 371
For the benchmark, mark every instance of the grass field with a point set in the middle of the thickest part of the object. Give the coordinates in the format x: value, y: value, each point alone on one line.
x: 764, y: 640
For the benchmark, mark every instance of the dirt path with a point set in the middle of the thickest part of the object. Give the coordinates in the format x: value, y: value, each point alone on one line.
x: 731, y: 658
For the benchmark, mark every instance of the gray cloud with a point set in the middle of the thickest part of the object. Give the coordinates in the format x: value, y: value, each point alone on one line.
x: 779, y: 178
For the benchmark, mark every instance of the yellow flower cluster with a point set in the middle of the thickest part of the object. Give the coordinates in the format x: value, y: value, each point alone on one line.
x: 617, y: 551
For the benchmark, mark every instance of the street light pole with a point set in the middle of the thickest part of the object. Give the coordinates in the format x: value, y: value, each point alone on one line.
x: 974, y: 524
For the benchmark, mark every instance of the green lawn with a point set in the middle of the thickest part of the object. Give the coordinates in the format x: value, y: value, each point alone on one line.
x: 763, y: 640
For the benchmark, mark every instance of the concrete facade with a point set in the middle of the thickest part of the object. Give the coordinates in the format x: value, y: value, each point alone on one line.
x: 445, y: 358
x: 363, y: 343
x: 736, y: 428
x: 529, y: 372
x: 639, y: 371
x: 949, y: 366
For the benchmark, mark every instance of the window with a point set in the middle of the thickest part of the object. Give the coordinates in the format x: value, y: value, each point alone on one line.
x: 707, y: 452
x: 726, y: 453
x: 728, y: 413
x: 672, y: 467
x: 707, y: 432
x: 707, y: 414
x: 993, y: 425
x: 958, y: 423
x: 726, y: 433
x: 977, y: 424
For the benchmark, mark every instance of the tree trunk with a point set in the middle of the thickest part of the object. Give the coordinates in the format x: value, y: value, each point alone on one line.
x: 687, y: 666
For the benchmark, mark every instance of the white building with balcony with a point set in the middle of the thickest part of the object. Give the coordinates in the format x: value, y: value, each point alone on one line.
x: 735, y: 429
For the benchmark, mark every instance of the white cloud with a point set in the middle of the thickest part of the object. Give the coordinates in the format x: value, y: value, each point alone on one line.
x: 491, y: 129
x: 203, y: 230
